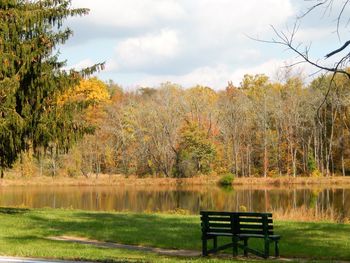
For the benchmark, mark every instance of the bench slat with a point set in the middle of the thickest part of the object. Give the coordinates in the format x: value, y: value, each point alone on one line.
x: 253, y: 220
x: 221, y: 219
x: 221, y: 225
x: 272, y: 237
x: 245, y: 220
x: 256, y: 226
x: 254, y: 232
x: 254, y: 214
x: 219, y: 234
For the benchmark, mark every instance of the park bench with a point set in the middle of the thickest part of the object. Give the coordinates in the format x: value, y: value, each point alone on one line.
x: 239, y: 227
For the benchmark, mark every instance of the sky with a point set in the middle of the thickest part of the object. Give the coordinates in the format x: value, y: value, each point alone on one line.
x: 194, y: 42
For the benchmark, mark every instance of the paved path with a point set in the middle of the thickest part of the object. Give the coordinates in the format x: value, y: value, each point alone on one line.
x: 35, y: 260
x: 161, y: 251
x: 167, y: 252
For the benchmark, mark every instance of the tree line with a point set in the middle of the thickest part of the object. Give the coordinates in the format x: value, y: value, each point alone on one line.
x: 259, y: 128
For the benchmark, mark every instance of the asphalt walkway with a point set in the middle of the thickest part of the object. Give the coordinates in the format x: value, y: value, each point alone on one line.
x: 160, y: 251
x: 35, y: 260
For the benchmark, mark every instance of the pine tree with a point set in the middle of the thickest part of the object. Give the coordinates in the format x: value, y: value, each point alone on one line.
x: 32, y: 77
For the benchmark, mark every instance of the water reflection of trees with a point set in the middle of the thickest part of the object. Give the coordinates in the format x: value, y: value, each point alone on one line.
x: 302, y: 204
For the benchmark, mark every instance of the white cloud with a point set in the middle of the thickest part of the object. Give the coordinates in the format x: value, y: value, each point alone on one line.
x: 217, y: 77
x: 130, y: 13
x: 307, y: 35
x: 249, y: 54
x: 188, y: 42
x: 111, y: 66
x: 224, y: 17
x: 82, y: 64
x: 269, y: 68
x: 146, y: 50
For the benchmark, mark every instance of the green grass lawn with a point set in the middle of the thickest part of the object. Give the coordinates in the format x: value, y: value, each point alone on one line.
x: 24, y: 233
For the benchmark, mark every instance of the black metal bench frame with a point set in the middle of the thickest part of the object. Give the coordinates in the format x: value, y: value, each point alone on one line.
x: 240, y: 226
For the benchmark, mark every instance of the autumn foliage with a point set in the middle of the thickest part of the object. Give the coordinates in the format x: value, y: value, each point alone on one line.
x: 260, y: 128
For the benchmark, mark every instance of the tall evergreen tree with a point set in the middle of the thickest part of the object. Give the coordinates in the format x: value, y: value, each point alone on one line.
x: 31, y: 76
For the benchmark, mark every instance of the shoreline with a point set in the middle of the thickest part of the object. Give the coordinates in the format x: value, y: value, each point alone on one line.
x: 121, y: 180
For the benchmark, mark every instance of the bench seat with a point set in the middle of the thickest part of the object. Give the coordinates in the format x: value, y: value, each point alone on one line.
x: 220, y: 234
x: 272, y: 237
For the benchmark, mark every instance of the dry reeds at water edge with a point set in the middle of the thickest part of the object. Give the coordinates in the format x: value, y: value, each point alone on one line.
x: 310, y: 215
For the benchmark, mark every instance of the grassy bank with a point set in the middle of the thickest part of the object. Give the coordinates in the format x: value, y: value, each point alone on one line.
x: 24, y: 233
x: 120, y: 180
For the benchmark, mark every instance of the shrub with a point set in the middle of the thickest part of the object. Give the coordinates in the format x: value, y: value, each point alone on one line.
x: 311, y: 163
x: 226, y: 179
x: 73, y: 172
x: 316, y: 173
x: 243, y: 208
x: 273, y: 173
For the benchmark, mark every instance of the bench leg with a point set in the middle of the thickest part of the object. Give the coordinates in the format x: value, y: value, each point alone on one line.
x: 277, y: 249
x: 235, y: 246
x: 204, y: 247
x: 267, y: 248
x: 245, y: 247
x: 215, y: 241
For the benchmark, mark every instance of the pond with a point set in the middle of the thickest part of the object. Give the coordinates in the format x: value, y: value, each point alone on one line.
x: 326, y: 203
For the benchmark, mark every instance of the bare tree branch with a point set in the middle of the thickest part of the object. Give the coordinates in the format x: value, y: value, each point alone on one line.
x: 288, y: 41
x: 338, y: 50
x: 312, y: 8
x: 340, y: 15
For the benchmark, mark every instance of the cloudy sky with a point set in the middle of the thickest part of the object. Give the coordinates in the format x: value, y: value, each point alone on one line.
x: 190, y: 42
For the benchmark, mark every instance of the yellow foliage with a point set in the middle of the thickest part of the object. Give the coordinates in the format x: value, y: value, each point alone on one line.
x: 250, y: 82
x: 92, y: 90
x: 205, y: 95
x: 316, y: 173
x: 109, y: 156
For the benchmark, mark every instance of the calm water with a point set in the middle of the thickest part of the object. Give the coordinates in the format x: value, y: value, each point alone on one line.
x: 334, y: 202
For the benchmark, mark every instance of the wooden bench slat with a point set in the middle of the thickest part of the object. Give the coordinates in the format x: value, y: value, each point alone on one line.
x: 272, y: 237
x: 254, y: 214
x: 220, y: 219
x: 256, y: 226
x: 254, y: 232
x: 254, y: 220
x: 219, y: 234
x: 221, y: 225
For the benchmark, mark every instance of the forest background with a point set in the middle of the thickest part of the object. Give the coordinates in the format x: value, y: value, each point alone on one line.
x: 259, y: 129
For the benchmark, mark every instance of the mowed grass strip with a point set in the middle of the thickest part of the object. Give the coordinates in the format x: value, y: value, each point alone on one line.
x: 24, y: 232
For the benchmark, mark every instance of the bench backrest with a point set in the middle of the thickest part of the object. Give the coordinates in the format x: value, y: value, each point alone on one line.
x: 237, y: 222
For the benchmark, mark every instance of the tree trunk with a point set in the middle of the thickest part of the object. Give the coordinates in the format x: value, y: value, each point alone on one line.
x: 342, y: 152
x: 265, y: 161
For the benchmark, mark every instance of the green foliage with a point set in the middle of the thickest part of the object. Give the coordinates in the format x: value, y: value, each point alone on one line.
x: 196, y: 151
x: 311, y: 163
x: 226, y: 179
x: 31, y: 77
